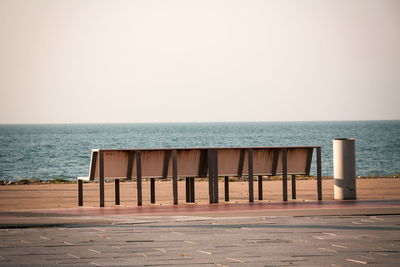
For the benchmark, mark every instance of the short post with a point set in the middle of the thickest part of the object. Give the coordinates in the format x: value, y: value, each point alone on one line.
x: 192, y: 192
x: 344, y: 168
x: 187, y: 188
x: 284, y: 175
x: 260, y: 187
x: 117, y: 197
x: 80, y: 193
x: 226, y: 187
x: 293, y: 182
x: 152, y: 190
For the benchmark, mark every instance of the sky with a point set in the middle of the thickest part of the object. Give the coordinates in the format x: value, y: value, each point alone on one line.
x: 80, y: 61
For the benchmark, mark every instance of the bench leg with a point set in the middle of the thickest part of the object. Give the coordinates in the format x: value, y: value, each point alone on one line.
x: 192, y: 193
x: 293, y: 186
x: 152, y: 190
x: 174, y: 177
x: 101, y: 178
x: 80, y: 193
x: 117, y: 198
x: 319, y: 174
x: 250, y: 177
x: 284, y: 175
x: 260, y: 188
x: 187, y: 189
x: 226, y: 186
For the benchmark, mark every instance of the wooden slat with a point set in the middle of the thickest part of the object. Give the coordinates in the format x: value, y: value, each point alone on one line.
x: 93, y: 165
x: 203, y: 165
x: 241, y: 162
x: 275, y: 162
x: 309, y: 159
x: 129, y: 170
x: 167, y: 156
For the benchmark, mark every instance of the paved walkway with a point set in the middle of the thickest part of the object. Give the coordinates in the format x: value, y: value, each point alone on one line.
x: 327, y: 233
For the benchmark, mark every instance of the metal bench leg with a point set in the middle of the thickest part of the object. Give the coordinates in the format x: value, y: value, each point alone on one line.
x: 117, y: 198
x: 101, y: 178
x: 293, y: 180
x: 175, y: 177
x: 80, y: 193
x: 226, y: 183
x: 260, y: 188
x: 284, y: 175
x: 139, y: 177
x: 192, y: 194
x: 251, y: 185
x: 187, y: 189
x: 152, y: 190
x: 319, y: 174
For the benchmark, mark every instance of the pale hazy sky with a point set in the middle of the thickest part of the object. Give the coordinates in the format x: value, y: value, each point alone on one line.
x: 74, y: 61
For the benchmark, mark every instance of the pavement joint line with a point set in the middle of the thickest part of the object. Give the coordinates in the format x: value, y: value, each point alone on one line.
x: 330, y: 234
x: 93, y: 250
x: 73, y: 256
x: 380, y: 253
x: 205, y: 252
x: 357, y: 261
x: 338, y: 246
x: 235, y: 260
x: 370, y: 258
x: 327, y: 249
x: 177, y: 233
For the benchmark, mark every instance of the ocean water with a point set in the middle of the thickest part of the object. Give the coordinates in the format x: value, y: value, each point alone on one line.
x: 63, y: 150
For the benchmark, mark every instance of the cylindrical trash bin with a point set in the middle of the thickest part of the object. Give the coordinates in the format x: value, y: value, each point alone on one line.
x: 344, y: 168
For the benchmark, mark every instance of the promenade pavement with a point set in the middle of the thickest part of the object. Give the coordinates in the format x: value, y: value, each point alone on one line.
x: 296, y: 233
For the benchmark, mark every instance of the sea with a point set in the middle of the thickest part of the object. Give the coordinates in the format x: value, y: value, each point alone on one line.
x: 63, y: 150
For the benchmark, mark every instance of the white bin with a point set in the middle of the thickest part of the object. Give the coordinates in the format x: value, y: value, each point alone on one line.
x: 344, y: 168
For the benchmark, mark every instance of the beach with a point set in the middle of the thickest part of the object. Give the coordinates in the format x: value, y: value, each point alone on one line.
x: 53, y: 196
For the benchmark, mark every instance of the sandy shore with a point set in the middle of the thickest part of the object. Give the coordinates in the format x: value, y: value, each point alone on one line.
x: 43, y: 196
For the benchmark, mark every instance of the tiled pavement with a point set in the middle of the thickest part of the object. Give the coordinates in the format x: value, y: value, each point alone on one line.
x: 209, y: 241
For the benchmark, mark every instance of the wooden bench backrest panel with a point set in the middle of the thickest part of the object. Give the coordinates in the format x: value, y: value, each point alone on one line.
x: 234, y: 161
x: 193, y: 162
x: 298, y: 161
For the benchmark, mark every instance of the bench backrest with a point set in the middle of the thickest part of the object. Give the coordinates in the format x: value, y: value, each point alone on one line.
x: 193, y: 162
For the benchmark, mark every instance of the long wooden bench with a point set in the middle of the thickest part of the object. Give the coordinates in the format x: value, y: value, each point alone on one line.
x: 191, y: 163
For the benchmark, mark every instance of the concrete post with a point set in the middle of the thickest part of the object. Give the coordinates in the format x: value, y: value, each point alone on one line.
x: 344, y: 168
